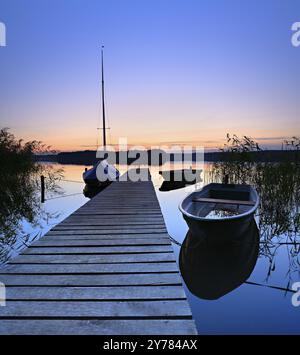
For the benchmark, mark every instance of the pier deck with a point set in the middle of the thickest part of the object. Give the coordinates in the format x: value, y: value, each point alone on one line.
x: 108, y: 268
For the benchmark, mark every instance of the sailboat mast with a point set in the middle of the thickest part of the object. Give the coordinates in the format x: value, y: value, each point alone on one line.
x: 103, y: 103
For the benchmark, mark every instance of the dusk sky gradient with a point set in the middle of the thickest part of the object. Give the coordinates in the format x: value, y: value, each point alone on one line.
x: 177, y: 71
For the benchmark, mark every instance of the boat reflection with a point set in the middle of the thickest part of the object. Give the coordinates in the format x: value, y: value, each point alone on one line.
x: 212, y: 271
x: 91, y: 191
x: 178, y: 179
x: 172, y: 185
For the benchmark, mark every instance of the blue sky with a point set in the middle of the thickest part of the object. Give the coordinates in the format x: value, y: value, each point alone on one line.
x: 176, y: 71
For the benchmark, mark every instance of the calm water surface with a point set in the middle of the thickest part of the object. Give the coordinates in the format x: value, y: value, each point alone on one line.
x: 260, y: 305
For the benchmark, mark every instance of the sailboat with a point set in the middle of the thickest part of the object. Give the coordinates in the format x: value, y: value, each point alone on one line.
x: 102, y: 173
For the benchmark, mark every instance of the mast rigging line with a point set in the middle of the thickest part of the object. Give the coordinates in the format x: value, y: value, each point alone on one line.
x: 103, y: 98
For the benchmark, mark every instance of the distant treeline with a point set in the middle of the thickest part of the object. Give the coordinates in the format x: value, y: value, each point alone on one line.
x: 88, y: 157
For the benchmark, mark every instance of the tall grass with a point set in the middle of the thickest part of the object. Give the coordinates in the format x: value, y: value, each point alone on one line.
x: 278, y: 185
x: 19, y: 186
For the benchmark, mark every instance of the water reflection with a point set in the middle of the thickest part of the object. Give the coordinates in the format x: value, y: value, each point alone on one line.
x: 211, y: 271
x: 172, y: 185
x: 91, y: 191
x: 178, y: 179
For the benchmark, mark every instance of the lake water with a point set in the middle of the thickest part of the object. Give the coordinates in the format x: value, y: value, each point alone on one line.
x: 261, y: 304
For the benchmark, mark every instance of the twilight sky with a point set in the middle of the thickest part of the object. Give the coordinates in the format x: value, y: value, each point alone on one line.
x: 177, y: 71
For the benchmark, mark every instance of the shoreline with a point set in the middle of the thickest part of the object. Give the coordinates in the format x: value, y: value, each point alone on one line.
x: 89, y: 157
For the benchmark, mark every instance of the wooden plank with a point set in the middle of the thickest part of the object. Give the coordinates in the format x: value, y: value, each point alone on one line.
x: 93, y: 259
x: 97, y: 250
x: 95, y: 293
x: 119, y: 205
x: 108, y: 213
x: 107, y: 223
x: 105, y: 232
x: 102, y: 220
x: 113, y: 201
x: 98, y: 327
x: 89, y: 268
x: 117, y: 309
x: 223, y: 201
x: 129, y: 214
x: 116, y: 209
x: 58, y: 242
x: 91, y: 280
x: 116, y: 229
x: 125, y: 205
x: 115, y: 218
x: 104, y: 237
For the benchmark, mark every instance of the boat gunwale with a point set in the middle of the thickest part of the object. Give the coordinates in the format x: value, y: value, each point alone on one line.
x: 230, y: 218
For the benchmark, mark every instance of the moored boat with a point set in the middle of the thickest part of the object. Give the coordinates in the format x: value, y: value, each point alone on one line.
x: 102, y: 173
x: 220, y: 212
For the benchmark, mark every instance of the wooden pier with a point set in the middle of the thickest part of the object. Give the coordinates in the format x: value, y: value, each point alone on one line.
x: 108, y: 268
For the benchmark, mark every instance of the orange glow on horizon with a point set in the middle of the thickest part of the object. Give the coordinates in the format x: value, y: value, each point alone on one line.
x: 208, y: 144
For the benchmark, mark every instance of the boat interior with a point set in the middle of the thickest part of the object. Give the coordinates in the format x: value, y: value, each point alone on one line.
x: 218, y: 201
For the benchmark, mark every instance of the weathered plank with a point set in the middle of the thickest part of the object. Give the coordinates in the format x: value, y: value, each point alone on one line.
x: 95, y: 293
x: 97, y: 250
x: 98, y: 327
x: 89, y: 268
x: 46, y: 242
x: 114, y: 218
x: 103, y: 309
x: 124, y: 213
x: 111, y: 218
x: 115, y: 228
x: 105, y: 232
x: 104, y: 237
x: 91, y: 280
x: 94, y: 259
x: 108, y: 224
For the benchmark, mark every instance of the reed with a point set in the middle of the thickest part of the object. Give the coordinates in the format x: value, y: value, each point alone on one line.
x: 278, y: 185
x: 19, y: 188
